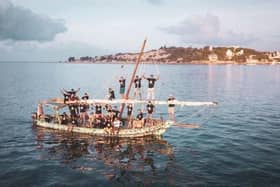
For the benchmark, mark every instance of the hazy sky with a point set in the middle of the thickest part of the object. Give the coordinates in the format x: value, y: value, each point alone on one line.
x: 53, y: 30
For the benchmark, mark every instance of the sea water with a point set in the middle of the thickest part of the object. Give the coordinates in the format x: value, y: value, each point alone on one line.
x: 237, y: 144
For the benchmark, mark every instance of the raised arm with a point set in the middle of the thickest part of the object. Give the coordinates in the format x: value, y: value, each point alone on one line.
x: 64, y: 92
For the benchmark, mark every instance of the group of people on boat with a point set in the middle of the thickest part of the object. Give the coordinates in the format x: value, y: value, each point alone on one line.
x: 100, y: 115
x: 104, y: 115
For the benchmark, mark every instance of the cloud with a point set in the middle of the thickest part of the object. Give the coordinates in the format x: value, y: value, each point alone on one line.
x: 206, y: 30
x: 21, y: 24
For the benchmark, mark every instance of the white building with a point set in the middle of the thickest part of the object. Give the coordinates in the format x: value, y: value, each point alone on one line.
x: 252, y: 59
x: 229, y: 54
x: 274, y: 55
x: 213, y: 57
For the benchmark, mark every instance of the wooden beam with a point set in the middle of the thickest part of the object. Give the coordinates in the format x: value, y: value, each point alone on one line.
x: 133, y: 76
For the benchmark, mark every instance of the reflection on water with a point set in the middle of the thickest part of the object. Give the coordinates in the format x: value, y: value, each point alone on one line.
x: 116, y: 159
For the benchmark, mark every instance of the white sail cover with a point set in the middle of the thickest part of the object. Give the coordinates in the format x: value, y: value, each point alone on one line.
x: 132, y: 101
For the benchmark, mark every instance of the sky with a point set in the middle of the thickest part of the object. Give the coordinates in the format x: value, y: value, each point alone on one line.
x: 53, y: 30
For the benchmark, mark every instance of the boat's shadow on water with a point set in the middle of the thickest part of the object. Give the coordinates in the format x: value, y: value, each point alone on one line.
x: 123, y: 160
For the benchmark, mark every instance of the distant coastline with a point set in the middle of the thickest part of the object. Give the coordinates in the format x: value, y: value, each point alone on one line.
x: 188, y: 55
x: 172, y: 63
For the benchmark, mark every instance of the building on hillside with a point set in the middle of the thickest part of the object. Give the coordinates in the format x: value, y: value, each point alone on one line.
x: 252, y: 59
x: 213, y: 57
x: 229, y: 54
x: 239, y: 53
x: 274, y: 55
x: 179, y: 60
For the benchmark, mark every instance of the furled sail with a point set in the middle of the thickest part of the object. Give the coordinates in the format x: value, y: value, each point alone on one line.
x: 132, y: 101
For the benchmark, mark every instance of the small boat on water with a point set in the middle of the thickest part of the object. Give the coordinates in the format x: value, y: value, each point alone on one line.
x: 123, y: 126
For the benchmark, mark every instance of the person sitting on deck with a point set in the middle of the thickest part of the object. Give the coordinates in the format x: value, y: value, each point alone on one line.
x: 98, y: 122
x: 122, y: 86
x: 171, y: 107
x: 111, y: 94
x: 108, y: 126
x: 150, y: 109
x: 64, y: 119
x: 137, y: 88
x: 117, y: 123
x: 151, y: 85
x: 138, y: 123
x: 74, y: 120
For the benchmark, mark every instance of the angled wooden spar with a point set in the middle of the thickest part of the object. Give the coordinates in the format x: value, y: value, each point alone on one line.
x: 156, y: 102
x: 60, y: 103
x: 133, y: 76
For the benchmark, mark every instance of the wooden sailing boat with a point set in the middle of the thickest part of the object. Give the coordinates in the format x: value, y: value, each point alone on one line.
x: 147, y: 128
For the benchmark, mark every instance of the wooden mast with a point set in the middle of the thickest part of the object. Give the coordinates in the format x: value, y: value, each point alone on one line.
x: 133, y: 76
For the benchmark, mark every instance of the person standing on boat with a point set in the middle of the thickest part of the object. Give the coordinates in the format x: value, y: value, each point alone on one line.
x: 85, y: 97
x: 137, y: 88
x: 91, y: 119
x: 111, y: 94
x: 66, y: 96
x: 98, y: 110
x: 115, y: 112
x: 129, y: 110
x: 151, y: 84
x: 150, y: 109
x: 139, y: 122
x: 109, y: 111
x: 140, y: 115
x: 129, y: 113
x: 122, y: 86
x: 171, y: 107
x: 73, y: 110
x: 83, y: 113
x: 70, y: 95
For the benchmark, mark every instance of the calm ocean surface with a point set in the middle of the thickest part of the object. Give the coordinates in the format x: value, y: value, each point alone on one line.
x: 238, y: 143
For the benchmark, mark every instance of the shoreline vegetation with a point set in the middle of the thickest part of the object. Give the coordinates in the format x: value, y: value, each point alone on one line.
x: 188, y: 55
